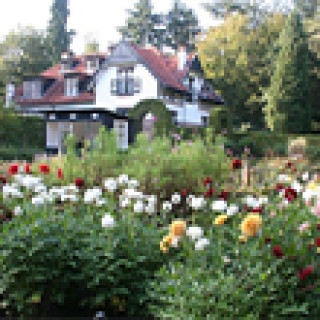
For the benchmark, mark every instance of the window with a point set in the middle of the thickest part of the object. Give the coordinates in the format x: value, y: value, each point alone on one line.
x: 121, y: 128
x: 125, y: 84
x: 71, y: 87
x: 32, y: 89
x: 174, y: 116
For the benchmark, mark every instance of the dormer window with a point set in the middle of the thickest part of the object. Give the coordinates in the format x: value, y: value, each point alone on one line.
x: 32, y: 89
x: 125, y: 84
x: 92, y: 63
x: 71, y: 87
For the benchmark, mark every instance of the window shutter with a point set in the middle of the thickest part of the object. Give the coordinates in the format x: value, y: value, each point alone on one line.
x: 137, y: 85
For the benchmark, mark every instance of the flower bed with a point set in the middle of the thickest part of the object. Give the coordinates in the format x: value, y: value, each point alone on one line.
x: 120, y: 246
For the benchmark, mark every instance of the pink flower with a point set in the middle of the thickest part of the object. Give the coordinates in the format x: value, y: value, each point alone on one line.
x: 316, y: 209
x: 229, y: 151
x: 304, y: 226
x: 246, y: 149
x: 273, y: 213
x: 155, y: 118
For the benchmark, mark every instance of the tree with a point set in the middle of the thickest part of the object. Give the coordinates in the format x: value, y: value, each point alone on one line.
x: 224, y: 58
x: 182, y: 27
x: 91, y: 45
x: 307, y: 7
x: 58, y: 36
x: 139, y: 24
x: 235, y: 58
x: 22, y: 53
x: 288, y: 106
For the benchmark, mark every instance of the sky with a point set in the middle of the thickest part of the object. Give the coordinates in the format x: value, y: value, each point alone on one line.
x: 95, y: 18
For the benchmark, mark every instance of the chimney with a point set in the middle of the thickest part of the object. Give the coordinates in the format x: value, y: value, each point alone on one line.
x: 10, y: 89
x: 182, y: 57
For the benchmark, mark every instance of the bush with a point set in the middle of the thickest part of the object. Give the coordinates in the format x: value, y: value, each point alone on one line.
x: 66, y: 265
x: 16, y: 153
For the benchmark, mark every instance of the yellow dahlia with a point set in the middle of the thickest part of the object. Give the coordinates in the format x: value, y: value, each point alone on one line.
x: 220, y: 219
x: 251, y: 224
x: 165, y: 243
x: 178, y: 228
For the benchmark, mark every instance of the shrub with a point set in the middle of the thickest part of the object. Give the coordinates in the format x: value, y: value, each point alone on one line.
x: 66, y: 265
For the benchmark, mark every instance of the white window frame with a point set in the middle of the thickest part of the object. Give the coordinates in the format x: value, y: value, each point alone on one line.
x: 32, y: 89
x: 71, y: 87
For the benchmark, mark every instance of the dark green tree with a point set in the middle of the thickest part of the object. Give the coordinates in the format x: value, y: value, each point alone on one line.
x: 58, y: 36
x: 182, y: 27
x: 288, y: 105
x: 139, y: 25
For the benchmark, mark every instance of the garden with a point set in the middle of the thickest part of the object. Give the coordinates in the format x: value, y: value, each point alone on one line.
x: 165, y: 230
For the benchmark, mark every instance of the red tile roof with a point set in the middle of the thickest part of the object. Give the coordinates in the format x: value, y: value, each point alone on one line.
x: 163, y: 66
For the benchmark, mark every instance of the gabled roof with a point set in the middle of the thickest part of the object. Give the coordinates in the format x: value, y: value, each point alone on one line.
x: 164, y: 67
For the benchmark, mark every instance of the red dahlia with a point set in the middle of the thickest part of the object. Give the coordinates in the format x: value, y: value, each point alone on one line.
x: 27, y: 168
x: 267, y: 240
x: 290, y: 194
x: 185, y: 192
x: 3, y: 180
x: 79, y: 182
x: 277, y: 252
x: 289, y: 165
x: 236, y: 164
x: 44, y: 168
x: 60, y: 174
x: 279, y: 186
x: 224, y: 195
x: 310, y: 245
x: 305, y: 272
x: 208, y: 193
x: 318, y: 242
x: 13, y: 168
x: 207, y: 181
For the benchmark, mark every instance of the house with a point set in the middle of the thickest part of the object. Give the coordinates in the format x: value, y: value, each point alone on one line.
x: 82, y: 93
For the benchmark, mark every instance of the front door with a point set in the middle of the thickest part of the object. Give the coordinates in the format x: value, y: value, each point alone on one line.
x: 121, y: 128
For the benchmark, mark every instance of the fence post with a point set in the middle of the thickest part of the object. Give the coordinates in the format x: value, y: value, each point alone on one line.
x: 245, y: 173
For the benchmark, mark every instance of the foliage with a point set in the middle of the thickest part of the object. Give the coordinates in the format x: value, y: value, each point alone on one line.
x: 175, y: 169
x: 19, y: 133
x: 62, y: 264
x: 182, y: 27
x: 22, y: 53
x: 58, y: 37
x: 164, y: 118
x: 234, y: 280
x: 139, y: 24
x: 178, y: 27
x: 288, y: 106
x: 235, y: 57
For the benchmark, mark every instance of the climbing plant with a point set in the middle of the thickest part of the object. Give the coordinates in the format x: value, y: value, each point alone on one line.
x: 163, y: 123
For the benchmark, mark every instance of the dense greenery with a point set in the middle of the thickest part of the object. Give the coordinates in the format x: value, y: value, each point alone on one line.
x: 21, y: 137
x: 288, y: 106
x: 178, y: 27
x: 58, y: 36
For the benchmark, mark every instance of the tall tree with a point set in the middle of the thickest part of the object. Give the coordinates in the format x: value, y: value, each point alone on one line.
x: 288, y: 106
x: 235, y: 58
x: 182, y: 27
x: 58, y: 36
x: 139, y: 24
x: 22, y: 53
x: 224, y: 58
